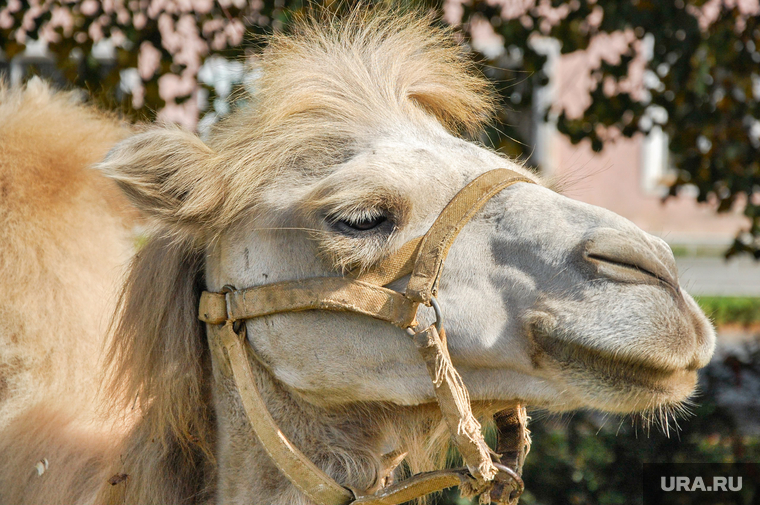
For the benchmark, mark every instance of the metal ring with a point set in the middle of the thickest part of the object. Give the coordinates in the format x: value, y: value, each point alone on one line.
x: 518, y: 486
x: 438, y: 319
x: 438, y: 314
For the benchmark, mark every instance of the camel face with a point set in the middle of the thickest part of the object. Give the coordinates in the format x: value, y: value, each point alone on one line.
x: 546, y: 300
x: 349, y: 148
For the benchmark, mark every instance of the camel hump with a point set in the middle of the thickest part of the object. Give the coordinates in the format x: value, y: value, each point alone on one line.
x: 64, y: 241
x: 48, y: 139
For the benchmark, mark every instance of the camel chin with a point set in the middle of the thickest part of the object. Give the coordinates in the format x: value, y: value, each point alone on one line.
x: 598, y: 368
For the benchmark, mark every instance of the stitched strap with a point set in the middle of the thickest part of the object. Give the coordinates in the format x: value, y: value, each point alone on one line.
x: 513, y: 437
x: 230, y: 358
x: 323, y: 293
x: 304, y: 474
x: 454, y: 402
x: 438, y: 240
x: 393, y: 267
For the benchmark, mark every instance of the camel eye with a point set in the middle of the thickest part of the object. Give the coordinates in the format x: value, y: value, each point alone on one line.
x: 365, y: 222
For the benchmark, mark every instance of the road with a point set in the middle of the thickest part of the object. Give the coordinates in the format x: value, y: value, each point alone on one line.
x: 718, y: 277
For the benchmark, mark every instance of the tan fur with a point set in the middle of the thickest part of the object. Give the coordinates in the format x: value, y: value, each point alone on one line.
x: 57, y: 217
x: 172, y: 431
x: 64, y: 232
x: 373, y: 72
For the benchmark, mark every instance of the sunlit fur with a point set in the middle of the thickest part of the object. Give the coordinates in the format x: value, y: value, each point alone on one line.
x: 167, y: 431
x: 371, y: 71
x: 66, y: 237
x: 64, y: 243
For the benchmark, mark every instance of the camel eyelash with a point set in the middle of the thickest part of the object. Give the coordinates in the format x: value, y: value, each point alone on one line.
x: 363, y: 222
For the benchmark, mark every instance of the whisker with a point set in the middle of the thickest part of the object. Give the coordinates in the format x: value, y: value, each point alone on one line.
x: 294, y: 228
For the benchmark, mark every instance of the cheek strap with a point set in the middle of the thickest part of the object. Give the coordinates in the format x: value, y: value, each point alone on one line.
x: 365, y: 294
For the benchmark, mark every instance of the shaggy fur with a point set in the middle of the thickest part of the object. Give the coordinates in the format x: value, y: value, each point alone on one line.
x: 65, y: 235
x: 375, y: 71
x: 320, y: 91
x: 171, y: 430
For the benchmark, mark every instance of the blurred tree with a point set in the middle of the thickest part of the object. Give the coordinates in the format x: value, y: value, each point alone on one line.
x: 701, y: 74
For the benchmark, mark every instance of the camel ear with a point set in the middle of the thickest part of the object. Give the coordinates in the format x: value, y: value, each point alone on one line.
x: 171, y: 175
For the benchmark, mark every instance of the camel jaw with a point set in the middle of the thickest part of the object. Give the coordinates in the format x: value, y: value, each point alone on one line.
x: 612, y: 380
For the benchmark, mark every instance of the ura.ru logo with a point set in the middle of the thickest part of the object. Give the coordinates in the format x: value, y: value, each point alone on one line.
x: 698, y: 484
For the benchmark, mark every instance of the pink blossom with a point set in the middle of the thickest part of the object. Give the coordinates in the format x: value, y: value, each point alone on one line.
x: 159, y: 7
x: 234, y: 31
x: 139, y: 20
x: 184, y: 114
x: 219, y: 42
x: 203, y: 6
x: 453, y: 12
x: 171, y: 86
x: 148, y: 60
x: 192, y: 46
x: 212, y: 25
x: 513, y: 9
x: 6, y: 20
x: 14, y: 6
x: 575, y: 72
x: 61, y: 17
x: 484, y: 38
x: 170, y: 39
x: 117, y: 37
x: 749, y: 7
x: 95, y: 31
x: 89, y: 7
x: 138, y: 95
x: 30, y: 17
x: 122, y: 16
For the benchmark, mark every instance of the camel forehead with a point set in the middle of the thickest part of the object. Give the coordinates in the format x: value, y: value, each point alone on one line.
x: 422, y: 166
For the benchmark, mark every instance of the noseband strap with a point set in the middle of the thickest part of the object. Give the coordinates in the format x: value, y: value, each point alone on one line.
x: 364, y: 293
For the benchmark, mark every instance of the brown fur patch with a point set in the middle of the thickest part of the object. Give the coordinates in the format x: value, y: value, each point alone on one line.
x: 64, y: 238
x: 325, y: 87
x: 159, y: 364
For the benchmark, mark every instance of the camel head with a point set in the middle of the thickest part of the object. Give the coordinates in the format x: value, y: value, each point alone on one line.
x: 351, y: 145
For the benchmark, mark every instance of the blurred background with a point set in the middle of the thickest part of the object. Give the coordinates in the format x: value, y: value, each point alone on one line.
x: 648, y: 108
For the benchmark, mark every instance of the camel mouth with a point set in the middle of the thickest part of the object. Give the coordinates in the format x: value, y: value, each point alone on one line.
x: 612, y: 381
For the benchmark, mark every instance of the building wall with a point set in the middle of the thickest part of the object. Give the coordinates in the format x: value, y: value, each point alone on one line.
x: 627, y: 176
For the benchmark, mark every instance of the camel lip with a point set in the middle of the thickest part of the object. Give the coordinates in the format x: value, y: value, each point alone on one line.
x: 607, y: 366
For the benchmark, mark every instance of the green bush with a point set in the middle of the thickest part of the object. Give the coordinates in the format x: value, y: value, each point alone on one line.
x: 731, y: 309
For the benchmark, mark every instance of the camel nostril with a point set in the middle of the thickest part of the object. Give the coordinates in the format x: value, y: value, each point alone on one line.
x: 635, y: 257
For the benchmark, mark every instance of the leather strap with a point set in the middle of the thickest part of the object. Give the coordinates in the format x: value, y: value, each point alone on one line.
x: 393, y: 267
x: 230, y: 357
x: 438, y: 240
x: 304, y: 474
x: 365, y: 294
x: 418, y: 485
x: 454, y: 402
x: 316, y: 293
x: 513, y: 437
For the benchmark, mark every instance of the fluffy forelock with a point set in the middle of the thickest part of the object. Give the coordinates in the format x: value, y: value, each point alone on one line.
x: 333, y: 83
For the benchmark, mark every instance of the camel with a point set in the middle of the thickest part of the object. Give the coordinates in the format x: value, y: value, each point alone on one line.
x: 357, y: 136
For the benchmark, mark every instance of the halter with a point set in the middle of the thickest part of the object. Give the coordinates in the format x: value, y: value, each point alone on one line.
x: 365, y: 294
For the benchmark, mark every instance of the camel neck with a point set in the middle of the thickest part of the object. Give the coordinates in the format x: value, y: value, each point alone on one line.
x: 345, y: 445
